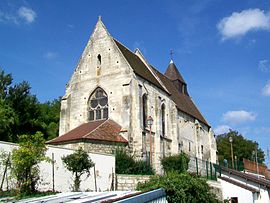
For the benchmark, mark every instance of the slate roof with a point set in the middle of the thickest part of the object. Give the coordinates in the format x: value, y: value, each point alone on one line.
x: 100, y: 130
x: 182, y: 101
x: 137, y: 65
x: 253, y: 178
x: 229, y: 180
x: 173, y: 74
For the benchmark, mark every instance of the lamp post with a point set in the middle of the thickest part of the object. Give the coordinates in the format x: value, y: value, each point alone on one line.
x: 231, y: 140
x: 150, y: 123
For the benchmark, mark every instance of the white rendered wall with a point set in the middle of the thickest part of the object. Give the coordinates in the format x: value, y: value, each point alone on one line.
x: 230, y: 190
x: 105, y: 166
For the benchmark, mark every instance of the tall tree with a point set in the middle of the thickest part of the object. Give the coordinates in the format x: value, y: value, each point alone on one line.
x: 242, y: 147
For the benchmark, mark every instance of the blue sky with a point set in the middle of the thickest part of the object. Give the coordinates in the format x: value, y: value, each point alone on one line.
x: 222, y: 49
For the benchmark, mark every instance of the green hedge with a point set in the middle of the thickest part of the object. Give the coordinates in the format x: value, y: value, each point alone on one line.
x: 177, y: 163
x: 126, y: 164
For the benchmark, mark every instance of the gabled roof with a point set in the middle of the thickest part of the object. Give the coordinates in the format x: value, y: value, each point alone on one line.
x: 182, y: 101
x: 249, y: 177
x: 137, y: 65
x: 173, y: 74
x: 229, y: 180
x: 101, y: 130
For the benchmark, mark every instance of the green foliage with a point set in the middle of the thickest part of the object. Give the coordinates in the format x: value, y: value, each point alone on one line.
x: 177, y: 163
x: 126, y: 164
x: 78, y: 163
x: 25, y: 161
x: 180, y: 188
x: 21, y: 113
x: 242, y: 147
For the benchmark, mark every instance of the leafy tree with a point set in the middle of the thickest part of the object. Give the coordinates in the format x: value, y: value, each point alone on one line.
x: 25, y: 161
x: 78, y: 163
x: 177, y: 163
x: 180, y: 188
x: 242, y: 147
x: 49, y: 118
x: 22, y: 113
x: 126, y: 164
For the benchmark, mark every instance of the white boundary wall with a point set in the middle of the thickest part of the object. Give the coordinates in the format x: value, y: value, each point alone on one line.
x: 63, y: 179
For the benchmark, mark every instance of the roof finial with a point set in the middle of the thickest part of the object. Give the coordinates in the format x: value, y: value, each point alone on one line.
x: 171, y: 53
x: 99, y: 17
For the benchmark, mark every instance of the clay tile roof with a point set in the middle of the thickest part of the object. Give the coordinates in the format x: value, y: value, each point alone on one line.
x: 101, y: 130
x: 173, y: 74
x: 137, y: 65
x: 182, y: 101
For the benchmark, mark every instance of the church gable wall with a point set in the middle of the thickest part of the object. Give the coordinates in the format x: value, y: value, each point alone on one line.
x: 101, y: 65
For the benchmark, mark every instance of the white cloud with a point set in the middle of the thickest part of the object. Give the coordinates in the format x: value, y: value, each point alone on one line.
x: 238, y: 24
x: 221, y: 129
x: 22, y: 15
x: 50, y: 55
x: 238, y: 116
x: 266, y: 89
x: 264, y: 65
x: 27, y: 14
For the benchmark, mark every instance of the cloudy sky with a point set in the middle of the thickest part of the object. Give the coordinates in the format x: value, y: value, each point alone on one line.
x: 222, y: 48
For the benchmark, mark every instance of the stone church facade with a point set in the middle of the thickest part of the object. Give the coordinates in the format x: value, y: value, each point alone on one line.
x: 112, y: 93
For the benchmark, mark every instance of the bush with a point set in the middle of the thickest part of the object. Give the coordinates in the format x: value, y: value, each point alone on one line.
x: 126, y: 164
x: 78, y: 163
x: 180, y: 188
x: 177, y: 163
x: 25, y: 162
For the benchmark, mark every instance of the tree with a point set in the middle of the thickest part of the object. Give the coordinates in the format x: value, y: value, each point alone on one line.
x: 177, y: 163
x: 78, y: 163
x: 49, y: 118
x: 25, y: 161
x: 242, y: 147
x: 180, y: 188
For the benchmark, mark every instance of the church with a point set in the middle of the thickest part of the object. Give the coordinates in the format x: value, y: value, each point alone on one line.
x: 116, y: 98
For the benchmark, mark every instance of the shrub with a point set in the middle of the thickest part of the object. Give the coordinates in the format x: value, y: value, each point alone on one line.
x: 78, y: 163
x: 180, y: 188
x: 25, y: 162
x: 126, y: 164
x: 177, y: 163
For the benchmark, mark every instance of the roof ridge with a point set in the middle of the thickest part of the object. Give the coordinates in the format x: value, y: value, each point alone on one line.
x: 148, y: 65
x: 95, y: 128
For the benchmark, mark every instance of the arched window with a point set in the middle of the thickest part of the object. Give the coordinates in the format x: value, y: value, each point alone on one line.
x: 163, y: 119
x: 144, y: 110
x: 98, y: 105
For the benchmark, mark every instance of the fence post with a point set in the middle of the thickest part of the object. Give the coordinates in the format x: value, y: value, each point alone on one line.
x: 53, y: 170
x: 196, y: 159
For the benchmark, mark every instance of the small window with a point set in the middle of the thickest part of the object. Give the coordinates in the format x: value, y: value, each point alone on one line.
x: 163, y: 120
x: 144, y: 105
x: 202, y: 149
x: 99, y: 60
x: 189, y: 146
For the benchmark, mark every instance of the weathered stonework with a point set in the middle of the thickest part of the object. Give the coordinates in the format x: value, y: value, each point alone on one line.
x: 125, y: 89
x: 129, y: 182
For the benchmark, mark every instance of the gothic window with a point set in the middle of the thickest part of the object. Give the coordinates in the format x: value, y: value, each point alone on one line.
x: 163, y: 119
x: 144, y: 111
x: 98, y: 105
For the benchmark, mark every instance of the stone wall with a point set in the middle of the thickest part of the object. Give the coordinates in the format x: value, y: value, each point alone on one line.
x: 129, y: 182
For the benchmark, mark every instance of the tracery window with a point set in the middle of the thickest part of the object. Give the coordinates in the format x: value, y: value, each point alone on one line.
x: 98, y: 105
